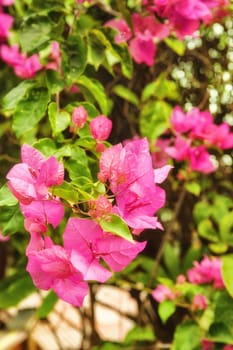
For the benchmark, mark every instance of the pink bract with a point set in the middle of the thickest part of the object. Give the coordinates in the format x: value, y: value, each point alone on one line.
x: 137, y: 196
x: 6, y: 22
x: 51, y: 268
x: 124, y: 31
x: 87, y: 243
x: 162, y: 293
x: 207, y: 271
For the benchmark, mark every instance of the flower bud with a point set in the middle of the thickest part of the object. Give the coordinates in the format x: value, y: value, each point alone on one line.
x: 79, y: 116
x: 101, y: 128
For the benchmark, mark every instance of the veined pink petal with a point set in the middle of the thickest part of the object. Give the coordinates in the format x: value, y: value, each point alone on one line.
x: 143, y: 49
x: 22, y: 183
x: 162, y: 173
x: 32, y: 157
x: 124, y: 32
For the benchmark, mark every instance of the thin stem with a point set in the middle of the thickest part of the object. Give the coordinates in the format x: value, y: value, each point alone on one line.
x: 166, y: 236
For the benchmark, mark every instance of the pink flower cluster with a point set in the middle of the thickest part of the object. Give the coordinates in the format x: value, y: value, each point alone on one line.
x: 6, y: 21
x: 207, y: 271
x: 128, y: 171
x: 26, y: 67
x: 142, y: 39
x: 194, y: 132
x: 209, y: 345
x: 67, y: 268
x: 186, y: 16
x: 30, y: 182
x: 183, y: 17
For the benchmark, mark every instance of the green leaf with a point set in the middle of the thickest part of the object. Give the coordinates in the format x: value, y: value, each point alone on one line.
x: 66, y: 191
x: 6, y: 197
x: 46, y: 146
x: 14, y: 289
x: 47, y: 305
x: 30, y: 110
x: 11, y: 219
x: 55, y: 82
x: 117, y: 226
x: 221, y: 333
x: 140, y: 334
x: 193, y: 187
x: 12, y: 98
x: 38, y: 30
x: 161, y: 88
x: 126, y: 94
x: 166, y: 309
x: 76, y: 57
x: 96, y: 90
x: 227, y: 269
x: 126, y: 60
x: 207, y: 230
x: 177, y: 46
x: 59, y: 120
x: 171, y: 260
x: 78, y: 166
x: 226, y: 227
x: 154, y: 119
x: 187, y: 337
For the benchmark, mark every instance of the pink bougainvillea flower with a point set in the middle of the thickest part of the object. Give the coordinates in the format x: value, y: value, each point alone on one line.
x: 207, y: 271
x: 87, y: 243
x: 3, y: 238
x: 207, y: 345
x: 101, y: 127
x: 31, y: 179
x: 200, y: 160
x: 199, y: 302
x: 137, y: 196
x: 180, y: 149
x: 51, y: 268
x: 124, y: 31
x: 24, y: 67
x: 143, y: 49
x: 79, y: 116
x: 149, y: 24
x: 6, y: 22
x: 6, y: 2
x: 186, y: 16
x: 162, y: 292
x: 158, y: 155
x: 55, y: 57
x: 39, y: 213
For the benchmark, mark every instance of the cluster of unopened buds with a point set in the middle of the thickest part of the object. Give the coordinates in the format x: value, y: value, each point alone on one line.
x: 131, y: 194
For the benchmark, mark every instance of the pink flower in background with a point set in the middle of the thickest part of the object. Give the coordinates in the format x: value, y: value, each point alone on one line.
x: 186, y: 16
x: 206, y: 271
x: 199, y: 302
x: 142, y: 49
x: 159, y: 156
x: 6, y: 22
x: 6, y: 2
x: 180, y: 150
x: 200, y: 160
x: 207, y: 345
x: 24, y: 67
x: 50, y: 267
x: 101, y: 128
x: 54, y: 57
x: 79, y: 116
x: 124, y: 31
x: 162, y: 292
